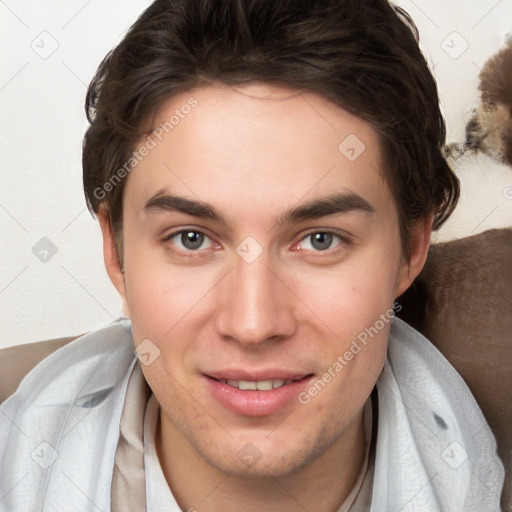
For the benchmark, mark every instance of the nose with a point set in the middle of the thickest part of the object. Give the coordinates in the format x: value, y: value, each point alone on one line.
x: 256, y: 304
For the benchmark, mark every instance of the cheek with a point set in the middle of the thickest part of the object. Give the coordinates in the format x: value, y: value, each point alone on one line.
x: 352, y: 298
x: 166, y: 304
x: 356, y: 319
x: 353, y: 307
x: 159, y: 294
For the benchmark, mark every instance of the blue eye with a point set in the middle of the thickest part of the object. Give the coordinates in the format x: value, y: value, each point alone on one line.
x: 189, y: 240
x: 321, y: 241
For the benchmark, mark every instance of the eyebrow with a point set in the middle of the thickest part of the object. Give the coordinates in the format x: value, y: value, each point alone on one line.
x: 338, y: 203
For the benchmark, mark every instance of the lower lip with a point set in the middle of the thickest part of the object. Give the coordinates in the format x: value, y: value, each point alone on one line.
x: 256, y: 403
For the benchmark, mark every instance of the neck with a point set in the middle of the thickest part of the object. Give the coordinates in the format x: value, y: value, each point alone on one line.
x: 322, y: 484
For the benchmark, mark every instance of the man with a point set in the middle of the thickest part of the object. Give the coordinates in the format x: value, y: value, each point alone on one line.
x: 266, y: 176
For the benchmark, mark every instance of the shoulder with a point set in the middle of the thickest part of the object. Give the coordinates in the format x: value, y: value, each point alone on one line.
x: 428, y: 418
x: 76, y: 385
x: 17, y: 361
x: 26, y: 371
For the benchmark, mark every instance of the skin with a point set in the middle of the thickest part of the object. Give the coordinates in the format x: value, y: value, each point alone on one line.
x: 253, y: 153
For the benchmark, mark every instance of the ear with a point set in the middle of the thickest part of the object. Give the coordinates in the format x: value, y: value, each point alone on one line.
x: 110, y: 255
x: 419, y: 243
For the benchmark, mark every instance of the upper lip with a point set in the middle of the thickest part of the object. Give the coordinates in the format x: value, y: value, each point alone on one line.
x: 257, y: 375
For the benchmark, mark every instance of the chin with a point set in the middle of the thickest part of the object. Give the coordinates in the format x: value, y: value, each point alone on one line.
x: 273, y: 455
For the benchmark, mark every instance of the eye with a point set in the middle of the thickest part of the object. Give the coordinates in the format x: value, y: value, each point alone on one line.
x: 189, y: 240
x: 320, y: 241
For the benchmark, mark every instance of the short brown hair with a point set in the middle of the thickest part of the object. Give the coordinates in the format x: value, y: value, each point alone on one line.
x: 361, y: 54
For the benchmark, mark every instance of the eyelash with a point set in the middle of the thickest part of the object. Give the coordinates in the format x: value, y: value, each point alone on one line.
x: 344, y: 241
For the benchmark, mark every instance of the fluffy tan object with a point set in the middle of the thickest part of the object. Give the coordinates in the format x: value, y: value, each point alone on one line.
x: 490, y: 129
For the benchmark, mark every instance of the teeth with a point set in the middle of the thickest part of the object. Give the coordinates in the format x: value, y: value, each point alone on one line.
x: 264, y: 385
x: 246, y: 385
x: 261, y: 385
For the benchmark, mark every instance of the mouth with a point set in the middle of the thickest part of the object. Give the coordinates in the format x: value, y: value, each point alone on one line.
x: 257, y: 396
x: 259, y: 385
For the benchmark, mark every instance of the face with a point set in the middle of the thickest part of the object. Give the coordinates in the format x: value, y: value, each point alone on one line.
x: 260, y: 243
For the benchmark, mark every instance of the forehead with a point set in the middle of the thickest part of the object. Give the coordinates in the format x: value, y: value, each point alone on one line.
x: 257, y: 144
